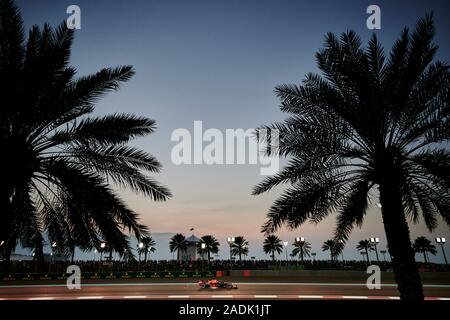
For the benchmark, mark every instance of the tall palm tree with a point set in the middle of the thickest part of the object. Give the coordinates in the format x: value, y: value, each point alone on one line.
x: 369, y: 122
x: 178, y: 243
x: 335, y: 248
x: 58, y: 160
x: 424, y: 246
x: 302, y: 249
x: 148, y: 246
x: 365, y: 246
x: 271, y: 245
x: 211, y: 246
x: 239, y: 247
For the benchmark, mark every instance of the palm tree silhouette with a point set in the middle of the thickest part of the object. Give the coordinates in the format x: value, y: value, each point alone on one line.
x: 365, y: 246
x: 239, y: 247
x: 302, y: 249
x: 271, y: 245
x: 424, y: 245
x: 148, y: 246
x: 59, y: 160
x: 368, y: 122
x: 335, y: 248
x: 211, y: 246
x: 178, y: 243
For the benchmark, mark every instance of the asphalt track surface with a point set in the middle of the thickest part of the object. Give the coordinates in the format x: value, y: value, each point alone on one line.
x: 189, y: 290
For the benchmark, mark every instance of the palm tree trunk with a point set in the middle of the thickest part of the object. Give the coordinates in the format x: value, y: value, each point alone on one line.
x: 367, y: 257
x: 398, y: 238
x: 425, y: 257
x: 6, y: 226
x: 273, y: 255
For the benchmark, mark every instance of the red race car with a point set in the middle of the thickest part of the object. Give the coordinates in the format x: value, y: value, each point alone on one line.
x: 216, y: 284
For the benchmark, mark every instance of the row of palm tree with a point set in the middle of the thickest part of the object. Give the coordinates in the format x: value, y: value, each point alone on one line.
x: 420, y: 245
x: 206, y: 246
x: 273, y: 245
x: 239, y: 247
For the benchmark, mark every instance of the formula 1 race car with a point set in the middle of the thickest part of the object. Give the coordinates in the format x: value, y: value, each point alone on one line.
x: 216, y: 284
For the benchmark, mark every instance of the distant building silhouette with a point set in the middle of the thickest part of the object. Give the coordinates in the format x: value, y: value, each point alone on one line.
x: 190, y: 254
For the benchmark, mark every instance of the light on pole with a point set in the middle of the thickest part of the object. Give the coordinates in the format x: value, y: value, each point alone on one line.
x: 230, y: 241
x: 285, y: 243
x: 375, y: 242
x: 342, y: 252
x: 102, y: 247
x: 203, y: 246
x: 140, y: 246
x: 51, y: 255
x: 301, y: 241
x: 54, y: 245
x: 441, y: 241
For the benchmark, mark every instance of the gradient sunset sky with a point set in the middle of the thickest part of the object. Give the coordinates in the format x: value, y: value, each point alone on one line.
x: 219, y: 61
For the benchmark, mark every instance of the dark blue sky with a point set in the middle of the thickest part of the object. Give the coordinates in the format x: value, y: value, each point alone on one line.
x: 218, y: 61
